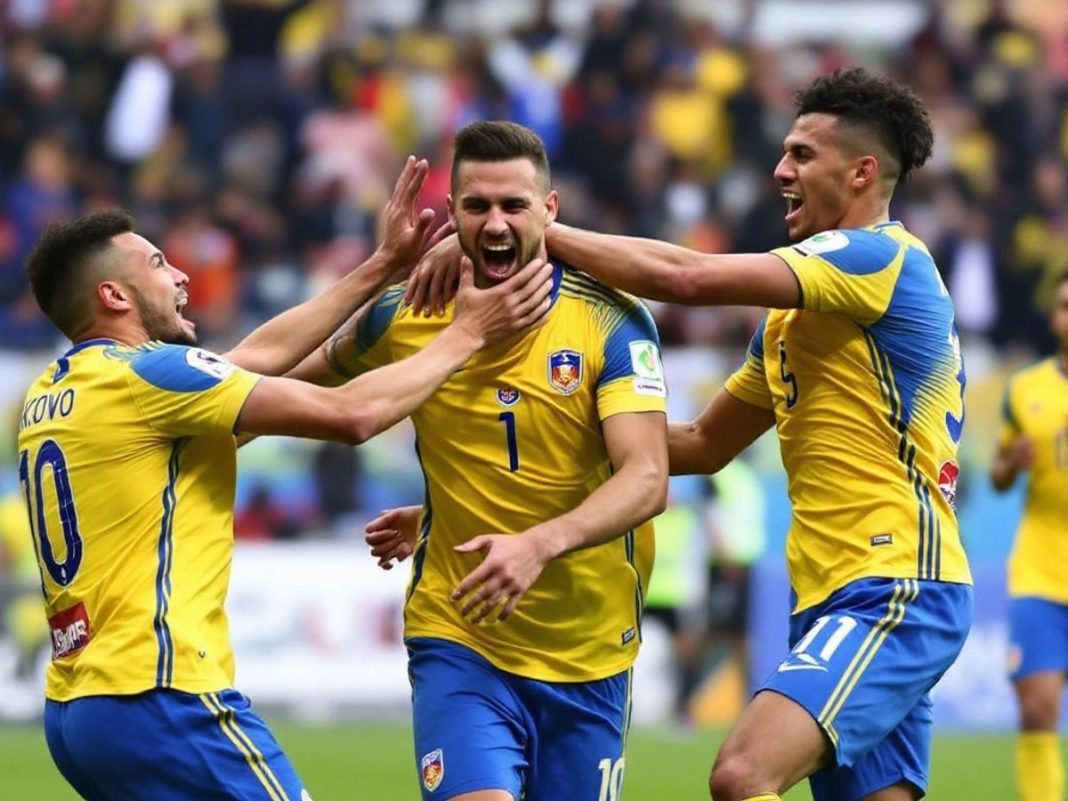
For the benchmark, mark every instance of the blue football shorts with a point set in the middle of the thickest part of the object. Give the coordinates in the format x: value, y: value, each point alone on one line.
x: 165, y: 745
x: 1038, y: 637
x: 480, y: 728
x: 862, y: 663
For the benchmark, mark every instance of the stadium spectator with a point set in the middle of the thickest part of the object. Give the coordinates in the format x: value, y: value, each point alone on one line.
x: 1034, y: 440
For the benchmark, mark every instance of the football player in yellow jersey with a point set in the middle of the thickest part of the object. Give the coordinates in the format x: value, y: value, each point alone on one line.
x: 543, y: 459
x: 127, y: 465
x: 1034, y: 438
x: 858, y: 366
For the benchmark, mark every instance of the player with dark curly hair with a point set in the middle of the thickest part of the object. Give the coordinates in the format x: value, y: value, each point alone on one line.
x: 857, y: 364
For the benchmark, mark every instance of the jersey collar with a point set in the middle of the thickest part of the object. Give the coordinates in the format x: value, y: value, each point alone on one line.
x: 89, y: 343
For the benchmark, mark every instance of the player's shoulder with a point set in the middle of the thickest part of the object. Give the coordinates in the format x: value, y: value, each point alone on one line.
x: 389, y: 307
x: 173, y: 368
x: 857, y: 251
x: 1034, y: 374
x: 579, y: 287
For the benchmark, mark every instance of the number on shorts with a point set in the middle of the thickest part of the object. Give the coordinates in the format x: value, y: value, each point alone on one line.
x: 611, y: 779
x: 845, y: 625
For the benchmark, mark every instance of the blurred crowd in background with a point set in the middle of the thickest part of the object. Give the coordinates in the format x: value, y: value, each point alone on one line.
x: 255, y: 141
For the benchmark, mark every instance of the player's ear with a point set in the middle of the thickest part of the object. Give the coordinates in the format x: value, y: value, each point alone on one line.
x: 449, y: 206
x: 114, y: 296
x: 552, y: 206
x: 865, y: 171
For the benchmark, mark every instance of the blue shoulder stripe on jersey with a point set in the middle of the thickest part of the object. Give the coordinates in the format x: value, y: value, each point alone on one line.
x: 868, y: 252
x: 378, y: 318
x: 634, y: 325
x: 168, y: 368
x: 756, y: 342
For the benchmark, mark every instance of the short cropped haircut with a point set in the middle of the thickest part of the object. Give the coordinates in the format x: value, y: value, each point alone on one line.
x: 500, y: 140
x: 889, y: 111
x: 61, y: 258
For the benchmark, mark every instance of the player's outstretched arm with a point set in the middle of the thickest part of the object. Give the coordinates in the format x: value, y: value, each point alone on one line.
x: 371, y: 403
x: 282, y: 342
x: 662, y: 271
x: 637, y: 491
x: 725, y: 428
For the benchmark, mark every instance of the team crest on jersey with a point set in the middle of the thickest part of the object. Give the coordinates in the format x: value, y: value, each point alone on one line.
x: 206, y: 362
x: 947, y: 481
x: 508, y: 396
x: 433, y: 768
x: 565, y: 371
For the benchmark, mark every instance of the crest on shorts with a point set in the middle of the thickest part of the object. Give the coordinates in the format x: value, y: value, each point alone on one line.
x: 508, y: 396
x: 565, y: 371
x: 433, y: 768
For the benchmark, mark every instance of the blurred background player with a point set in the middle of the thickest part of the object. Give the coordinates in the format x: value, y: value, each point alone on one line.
x: 127, y: 457
x: 858, y: 366
x: 1034, y: 440
x: 544, y: 459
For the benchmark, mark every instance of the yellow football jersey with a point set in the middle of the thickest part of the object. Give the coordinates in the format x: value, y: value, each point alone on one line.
x: 514, y: 439
x: 127, y: 464
x: 866, y: 381
x: 1036, y: 405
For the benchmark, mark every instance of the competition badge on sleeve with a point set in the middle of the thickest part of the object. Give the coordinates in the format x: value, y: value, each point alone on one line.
x: 565, y: 371
x: 648, y: 369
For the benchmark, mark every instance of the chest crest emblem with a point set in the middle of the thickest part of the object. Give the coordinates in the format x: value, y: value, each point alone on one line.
x: 565, y: 371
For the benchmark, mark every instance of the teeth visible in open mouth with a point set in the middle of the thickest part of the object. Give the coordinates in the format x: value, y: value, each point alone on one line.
x: 793, y: 201
x: 498, y: 248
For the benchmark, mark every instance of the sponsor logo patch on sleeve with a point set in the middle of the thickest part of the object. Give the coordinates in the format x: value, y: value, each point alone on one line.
x: 209, y: 363
x: 648, y: 369
x: 824, y: 242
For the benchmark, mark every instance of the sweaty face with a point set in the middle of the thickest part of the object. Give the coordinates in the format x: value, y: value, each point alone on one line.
x: 814, y: 176
x: 1058, y: 322
x: 500, y: 209
x: 158, y: 292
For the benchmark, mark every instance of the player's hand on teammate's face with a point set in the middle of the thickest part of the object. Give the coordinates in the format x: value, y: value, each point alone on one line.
x: 393, y: 535
x: 404, y: 232
x: 514, y: 304
x: 512, y: 563
x: 436, y: 277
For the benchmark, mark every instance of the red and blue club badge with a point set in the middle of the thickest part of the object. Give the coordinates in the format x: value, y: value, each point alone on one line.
x: 565, y: 371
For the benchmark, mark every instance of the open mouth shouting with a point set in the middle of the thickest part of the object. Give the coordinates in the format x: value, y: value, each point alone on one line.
x: 499, y: 259
x: 794, y: 202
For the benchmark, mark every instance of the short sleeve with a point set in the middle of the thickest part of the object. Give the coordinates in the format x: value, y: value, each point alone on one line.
x: 749, y: 382
x: 850, y: 272
x: 369, y: 346
x: 632, y: 378
x: 183, y: 391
